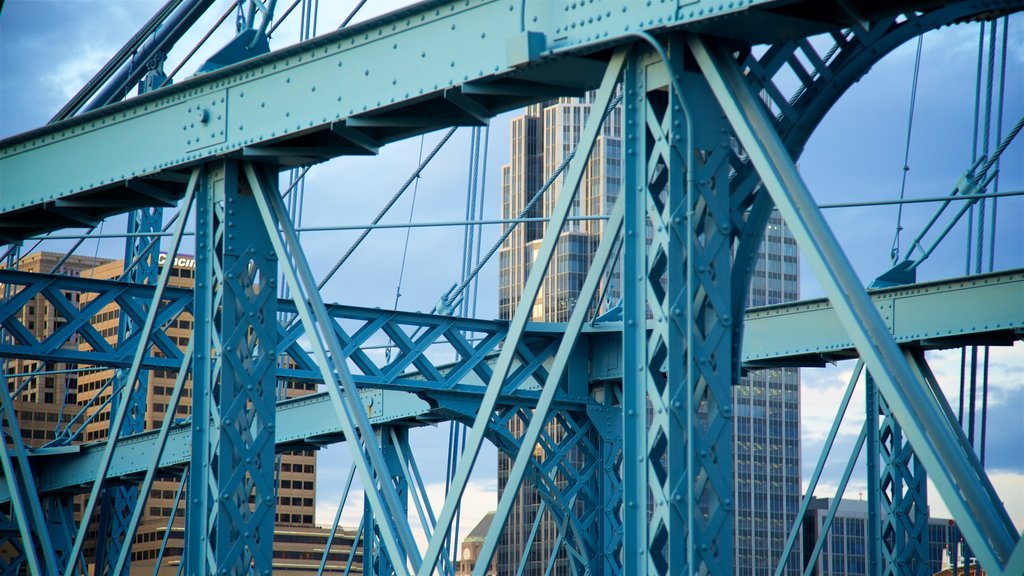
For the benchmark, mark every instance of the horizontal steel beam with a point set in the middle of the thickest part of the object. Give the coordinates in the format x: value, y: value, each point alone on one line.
x: 301, y: 423
x: 404, y: 351
x: 982, y: 309
x: 433, y: 65
x: 989, y: 306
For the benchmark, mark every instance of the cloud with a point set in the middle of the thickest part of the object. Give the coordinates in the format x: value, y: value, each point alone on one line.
x: 1008, y: 485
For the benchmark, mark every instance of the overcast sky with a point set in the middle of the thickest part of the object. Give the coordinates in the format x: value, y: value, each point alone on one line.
x: 48, y: 49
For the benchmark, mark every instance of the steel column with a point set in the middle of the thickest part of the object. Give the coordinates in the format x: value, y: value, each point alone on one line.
x: 232, y: 498
x: 873, y: 539
x: 377, y: 559
x: 904, y: 501
x: 680, y: 360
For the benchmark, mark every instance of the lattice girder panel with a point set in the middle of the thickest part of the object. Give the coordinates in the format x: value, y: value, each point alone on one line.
x: 903, y: 500
x: 566, y: 471
x: 436, y: 353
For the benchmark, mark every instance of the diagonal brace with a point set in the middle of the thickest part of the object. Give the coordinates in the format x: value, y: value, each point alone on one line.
x: 523, y: 311
x: 956, y: 472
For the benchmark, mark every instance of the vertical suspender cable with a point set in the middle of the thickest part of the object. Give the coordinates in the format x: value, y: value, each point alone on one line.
x: 894, y: 254
x: 970, y: 211
x: 992, y: 228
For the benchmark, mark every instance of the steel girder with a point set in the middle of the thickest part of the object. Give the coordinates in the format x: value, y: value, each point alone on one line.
x: 903, y: 495
x: 231, y: 496
x: 454, y: 355
x: 528, y: 51
x: 440, y: 353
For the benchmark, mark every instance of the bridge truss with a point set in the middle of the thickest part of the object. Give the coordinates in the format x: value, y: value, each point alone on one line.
x: 712, y: 132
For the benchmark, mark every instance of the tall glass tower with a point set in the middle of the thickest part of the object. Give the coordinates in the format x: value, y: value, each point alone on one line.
x: 766, y: 402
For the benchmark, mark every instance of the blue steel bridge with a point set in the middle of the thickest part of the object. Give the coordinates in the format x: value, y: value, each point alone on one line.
x: 718, y: 98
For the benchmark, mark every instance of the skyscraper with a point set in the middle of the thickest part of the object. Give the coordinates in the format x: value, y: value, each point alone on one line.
x: 766, y: 405
x: 767, y: 402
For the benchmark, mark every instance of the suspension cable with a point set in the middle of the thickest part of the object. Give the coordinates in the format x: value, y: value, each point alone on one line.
x: 992, y: 229
x: 894, y: 253
x: 352, y: 14
x: 380, y: 215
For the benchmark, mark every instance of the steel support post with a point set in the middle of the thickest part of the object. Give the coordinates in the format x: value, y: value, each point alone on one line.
x: 231, y: 504
x: 904, y: 501
x: 377, y: 560
x: 120, y: 500
x: 955, y: 471
x: 607, y: 420
x: 873, y: 542
x: 679, y: 356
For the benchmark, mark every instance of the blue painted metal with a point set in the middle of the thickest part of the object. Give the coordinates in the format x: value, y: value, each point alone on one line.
x: 377, y: 558
x: 121, y: 562
x: 873, y: 538
x: 965, y: 487
x: 812, y: 558
x: 369, y: 116
x: 120, y: 501
x: 685, y: 285
x: 133, y: 60
x: 494, y: 80
x: 559, y: 365
x: 523, y: 312
x: 25, y: 507
x: 232, y: 496
x: 118, y: 416
x: 812, y: 484
x: 904, y: 501
x: 158, y: 562
x: 424, y: 510
x: 337, y: 519
x: 331, y: 360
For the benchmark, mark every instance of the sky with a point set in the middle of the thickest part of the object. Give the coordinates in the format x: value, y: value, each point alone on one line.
x: 48, y: 49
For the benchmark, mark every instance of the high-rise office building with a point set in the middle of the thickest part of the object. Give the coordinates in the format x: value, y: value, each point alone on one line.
x: 55, y: 397
x: 540, y: 141
x: 767, y: 402
x: 766, y: 424
x: 844, y: 551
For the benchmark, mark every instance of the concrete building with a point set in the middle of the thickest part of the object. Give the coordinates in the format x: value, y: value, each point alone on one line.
x: 767, y: 402
x: 56, y: 398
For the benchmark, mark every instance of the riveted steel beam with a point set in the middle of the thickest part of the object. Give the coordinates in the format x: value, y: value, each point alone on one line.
x: 403, y: 63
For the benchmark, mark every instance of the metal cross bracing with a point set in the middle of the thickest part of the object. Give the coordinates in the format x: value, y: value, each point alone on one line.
x: 634, y: 467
